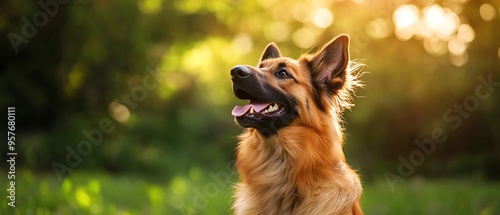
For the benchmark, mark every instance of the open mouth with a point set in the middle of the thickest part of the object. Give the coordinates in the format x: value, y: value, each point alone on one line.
x: 259, y: 110
x: 256, y: 108
x: 267, y: 109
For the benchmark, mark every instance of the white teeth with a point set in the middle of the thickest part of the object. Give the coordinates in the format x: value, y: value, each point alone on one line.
x: 272, y: 108
x: 251, y: 109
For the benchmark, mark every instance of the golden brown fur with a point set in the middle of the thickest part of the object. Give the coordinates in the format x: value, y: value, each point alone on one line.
x: 301, y: 169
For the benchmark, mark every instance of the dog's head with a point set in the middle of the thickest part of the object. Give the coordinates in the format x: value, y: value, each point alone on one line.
x: 281, y: 90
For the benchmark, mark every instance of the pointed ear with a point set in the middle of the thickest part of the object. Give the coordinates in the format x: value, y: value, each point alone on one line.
x: 271, y: 51
x: 329, y: 64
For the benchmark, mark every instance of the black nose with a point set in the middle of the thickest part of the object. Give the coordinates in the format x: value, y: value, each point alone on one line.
x: 239, y: 72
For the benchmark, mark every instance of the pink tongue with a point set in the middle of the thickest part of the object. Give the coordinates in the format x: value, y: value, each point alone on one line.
x: 257, y: 107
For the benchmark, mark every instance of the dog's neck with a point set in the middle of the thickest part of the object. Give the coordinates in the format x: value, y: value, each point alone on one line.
x: 285, y: 167
x: 295, y: 152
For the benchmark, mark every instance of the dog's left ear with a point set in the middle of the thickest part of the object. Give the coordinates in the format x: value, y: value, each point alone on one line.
x: 272, y: 51
x: 330, y: 62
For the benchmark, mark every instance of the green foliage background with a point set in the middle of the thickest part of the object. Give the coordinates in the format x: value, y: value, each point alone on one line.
x: 74, y: 72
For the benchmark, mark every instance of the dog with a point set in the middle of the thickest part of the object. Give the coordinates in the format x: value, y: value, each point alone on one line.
x: 289, y: 158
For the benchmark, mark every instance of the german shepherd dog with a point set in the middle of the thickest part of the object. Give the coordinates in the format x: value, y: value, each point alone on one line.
x: 290, y: 157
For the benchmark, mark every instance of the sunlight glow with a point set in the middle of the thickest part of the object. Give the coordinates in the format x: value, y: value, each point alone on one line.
x: 487, y: 12
x: 439, y: 28
x: 434, y: 16
x: 202, y: 63
x: 443, y: 22
x: 323, y: 17
x: 198, y: 60
x: 405, y: 16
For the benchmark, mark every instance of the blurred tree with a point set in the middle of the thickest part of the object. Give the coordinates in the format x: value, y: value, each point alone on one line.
x: 423, y: 57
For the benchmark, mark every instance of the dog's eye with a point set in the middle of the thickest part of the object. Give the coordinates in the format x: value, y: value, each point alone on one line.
x: 282, y: 73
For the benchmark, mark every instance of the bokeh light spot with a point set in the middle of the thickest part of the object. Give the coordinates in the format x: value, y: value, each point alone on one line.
x: 457, y: 46
x: 66, y: 186
x: 450, y: 24
x: 435, y: 46
x: 459, y: 60
x: 82, y: 198
x: 242, y: 43
x: 119, y: 112
x: 403, y: 33
x: 94, y: 186
x: 439, y: 28
x: 466, y: 33
x: 323, y: 17
x: 155, y: 195
x: 178, y: 186
x: 188, y: 6
x: 405, y: 16
x: 443, y: 21
x: 434, y: 16
x: 487, y: 12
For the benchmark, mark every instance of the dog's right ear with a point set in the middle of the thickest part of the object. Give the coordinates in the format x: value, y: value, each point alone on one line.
x: 271, y: 51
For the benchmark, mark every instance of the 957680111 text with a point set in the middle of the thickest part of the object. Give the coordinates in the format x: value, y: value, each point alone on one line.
x: 11, y: 155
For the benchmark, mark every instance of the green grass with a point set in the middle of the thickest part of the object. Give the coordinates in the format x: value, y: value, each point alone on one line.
x: 419, y: 196
x: 199, y: 192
